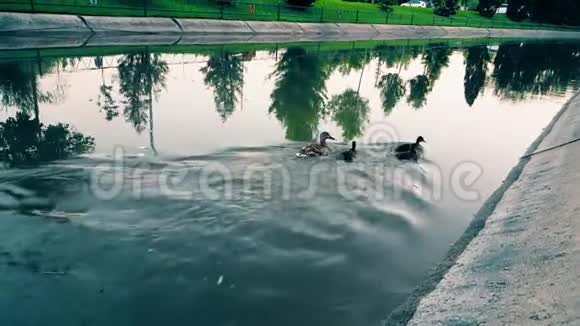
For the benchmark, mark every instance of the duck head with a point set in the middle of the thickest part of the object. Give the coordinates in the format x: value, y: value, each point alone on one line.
x: 420, y: 140
x: 324, y: 136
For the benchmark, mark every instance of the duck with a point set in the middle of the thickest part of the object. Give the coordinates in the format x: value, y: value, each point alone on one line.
x: 317, y: 149
x: 410, y: 151
x: 349, y: 155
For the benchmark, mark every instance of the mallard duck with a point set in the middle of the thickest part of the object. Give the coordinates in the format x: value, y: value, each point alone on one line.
x: 410, y: 151
x: 349, y: 155
x: 316, y: 149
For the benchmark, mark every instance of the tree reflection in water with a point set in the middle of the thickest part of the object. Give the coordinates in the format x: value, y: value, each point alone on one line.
x: 224, y: 72
x: 350, y: 111
x: 515, y: 71
x: 299, y: 93
x: 477, y: 59
x: 23, y: 140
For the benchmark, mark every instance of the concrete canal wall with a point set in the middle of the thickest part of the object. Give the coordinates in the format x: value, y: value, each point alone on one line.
x: 21, y: 30
x: 518, y: 262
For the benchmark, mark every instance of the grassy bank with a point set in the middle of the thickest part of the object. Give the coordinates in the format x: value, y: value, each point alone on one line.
x: 266, y: 10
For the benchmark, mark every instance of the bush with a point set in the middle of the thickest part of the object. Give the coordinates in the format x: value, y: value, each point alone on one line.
x: 487, y: 8
x: 445, y: 7
x: 517, y: 10
x: 301, y: 3
x: 385, y: 5
x: 443, y: 11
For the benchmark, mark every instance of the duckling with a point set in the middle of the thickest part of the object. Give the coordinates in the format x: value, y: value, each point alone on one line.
x: 316, y: 149
x: 349, y: 155
x: 410, y: 151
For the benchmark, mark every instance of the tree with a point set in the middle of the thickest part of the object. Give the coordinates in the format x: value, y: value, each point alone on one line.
x: 300, y: 4
x: 350, y: 111
x: 141, y: 77
x: 555, y: 12
x: 476, y: 62
x: 528, y: 69
x: 386, y: 5
x: 299, y: 93
x: 346, y: 61
x: 399, y: 56
x: 487, y: 8
x: 19, y: 86
x: 21, y: 141
x: 105, y: 100
x: 435, y: 58
x: 445, y: 7
x: 392, y: 89
x: 418, y: 89
x: 518, y: 10
x: 225, y: 74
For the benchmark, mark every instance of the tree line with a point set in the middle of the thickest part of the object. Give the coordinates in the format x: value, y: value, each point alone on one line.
x: 542, y: 11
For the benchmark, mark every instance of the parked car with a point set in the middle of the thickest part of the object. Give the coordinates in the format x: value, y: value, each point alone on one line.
x: 415, y: 3
x: 502, y: 10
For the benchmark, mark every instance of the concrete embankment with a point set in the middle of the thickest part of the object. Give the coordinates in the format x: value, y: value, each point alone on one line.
x: 20, y: 30
x: 519, y: 262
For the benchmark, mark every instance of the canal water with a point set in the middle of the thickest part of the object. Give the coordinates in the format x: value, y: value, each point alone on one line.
x: 152, y: 185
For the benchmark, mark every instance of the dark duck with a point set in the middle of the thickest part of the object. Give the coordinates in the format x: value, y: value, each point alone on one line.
x: 348, y: 156
x: 410, y: 151
x: 316, y: 149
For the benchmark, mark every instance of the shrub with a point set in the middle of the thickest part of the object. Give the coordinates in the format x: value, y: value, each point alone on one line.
x: 487, y: 8
x: 445, y: 7
x: 385, y: 5
x: 517, y: 10
x: 300, y: 3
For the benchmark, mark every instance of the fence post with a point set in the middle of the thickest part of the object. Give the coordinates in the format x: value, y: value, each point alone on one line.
x: 278, y: 11
x: 321, y: 14
x: 32, y: 5
x: 357, y: 16
x: 387, y: 18
x: 433, y: 19
x: 222, y: 11
x: 412, y: 18
x: 145, y: 8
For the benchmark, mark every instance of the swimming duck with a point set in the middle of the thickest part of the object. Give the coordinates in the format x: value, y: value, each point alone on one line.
x: 349, y: 155
x: 410, y: 151
x: 316, y: 149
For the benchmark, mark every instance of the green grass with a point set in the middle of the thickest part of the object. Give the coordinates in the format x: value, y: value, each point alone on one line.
x: 266, y: 10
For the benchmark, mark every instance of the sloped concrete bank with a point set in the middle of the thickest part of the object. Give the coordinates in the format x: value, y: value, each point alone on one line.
x: 21, y: 30
x: 518, y: 262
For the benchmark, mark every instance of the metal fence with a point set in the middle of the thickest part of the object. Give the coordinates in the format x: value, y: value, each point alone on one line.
x: 243, y: 10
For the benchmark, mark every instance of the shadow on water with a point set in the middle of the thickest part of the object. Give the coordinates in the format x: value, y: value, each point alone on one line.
x: 243, y: 235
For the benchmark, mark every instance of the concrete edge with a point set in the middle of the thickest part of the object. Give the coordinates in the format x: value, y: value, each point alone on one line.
x: 25, y: 23
x: 178, y: 24
x: 405, y: 312
x: 11, y: 23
